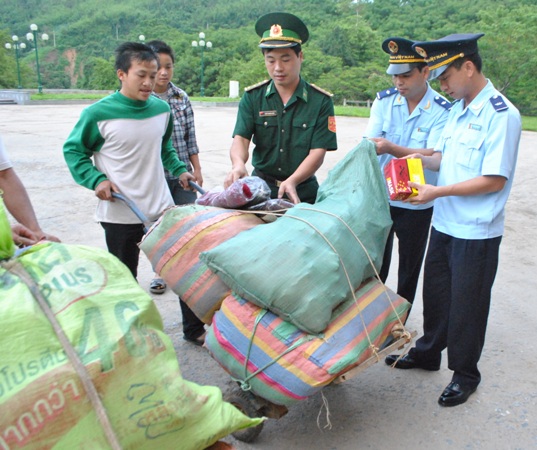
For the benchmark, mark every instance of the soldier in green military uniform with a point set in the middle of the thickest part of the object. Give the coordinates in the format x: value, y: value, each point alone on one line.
x: 291, y: 122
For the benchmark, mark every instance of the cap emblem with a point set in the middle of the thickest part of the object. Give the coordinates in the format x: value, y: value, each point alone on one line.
x: 276, y: 31
x: 420, y: 51
x: 393, y: 47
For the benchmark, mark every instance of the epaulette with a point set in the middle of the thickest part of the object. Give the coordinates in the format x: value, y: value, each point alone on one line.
x: 443, y: 102
x: 317, y: 88
x: 498, y: 103
x: 386, y: 93
x: 253, y: 86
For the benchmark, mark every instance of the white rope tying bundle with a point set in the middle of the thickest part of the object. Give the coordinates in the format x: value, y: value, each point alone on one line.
x: 401, y: 330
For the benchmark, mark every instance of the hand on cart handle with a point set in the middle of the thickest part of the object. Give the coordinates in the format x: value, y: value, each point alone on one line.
x: 197, y: 187
x: 185, y: 178
x: 105, y: 190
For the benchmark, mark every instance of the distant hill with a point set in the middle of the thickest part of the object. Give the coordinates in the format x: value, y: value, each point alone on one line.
x: 343, y: 55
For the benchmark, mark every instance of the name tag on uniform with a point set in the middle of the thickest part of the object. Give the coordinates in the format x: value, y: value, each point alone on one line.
x: 473, y: 126
x: 423, y: 130
x: 268, y: 113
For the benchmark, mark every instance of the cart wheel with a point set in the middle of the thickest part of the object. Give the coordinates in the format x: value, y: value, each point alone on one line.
x: 243, y: 402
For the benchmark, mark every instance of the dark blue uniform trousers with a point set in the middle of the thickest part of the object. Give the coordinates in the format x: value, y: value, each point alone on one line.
x: 412, y: 230
x: 458, y: 279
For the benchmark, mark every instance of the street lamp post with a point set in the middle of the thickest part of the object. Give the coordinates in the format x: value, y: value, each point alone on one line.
x: 202, y: 44
x: 33, y: 37
x: 16, y: 45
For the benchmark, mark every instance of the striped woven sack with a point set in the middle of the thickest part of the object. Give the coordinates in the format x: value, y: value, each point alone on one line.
x: 174, y: 242
x: 281, y: 363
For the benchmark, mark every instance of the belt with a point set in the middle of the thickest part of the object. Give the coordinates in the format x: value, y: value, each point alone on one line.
x: 267, y: 178
x: 275, y: 181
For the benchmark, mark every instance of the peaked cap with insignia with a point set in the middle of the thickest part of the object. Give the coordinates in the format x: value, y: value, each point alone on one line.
x: 281, y: 30
x: 402, y: 57
x: 441, y: 53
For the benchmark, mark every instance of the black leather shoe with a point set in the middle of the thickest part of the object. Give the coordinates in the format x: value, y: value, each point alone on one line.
x: 199, y: 341
x: 407, y: 362
x: 454, y: 394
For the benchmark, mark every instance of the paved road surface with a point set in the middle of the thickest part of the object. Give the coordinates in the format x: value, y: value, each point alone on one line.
x: 381, y: 408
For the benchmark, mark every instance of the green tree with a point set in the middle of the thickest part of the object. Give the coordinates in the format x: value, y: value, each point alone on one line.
x: 100, y: 74
x: 351, y: 39
x: 8, y: 65
x: 510, y: 65
x: 343, y: 54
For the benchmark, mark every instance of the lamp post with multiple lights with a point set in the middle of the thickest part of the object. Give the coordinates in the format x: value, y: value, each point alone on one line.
x: 17, y: 46
x: 202, y: 44
x: 32, y: 36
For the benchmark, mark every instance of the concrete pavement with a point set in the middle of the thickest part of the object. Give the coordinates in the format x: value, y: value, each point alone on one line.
x: 380, y: 408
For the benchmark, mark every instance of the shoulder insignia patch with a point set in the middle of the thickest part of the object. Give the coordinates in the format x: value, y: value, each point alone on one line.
x: 443, y: 102
x: 386, y: 93
x: 317, y: 88
x: 498, y: 103
x: 254, y: 86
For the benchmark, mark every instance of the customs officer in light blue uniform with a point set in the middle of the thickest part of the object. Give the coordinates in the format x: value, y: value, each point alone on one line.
x: 406, y: 119
x: 476, y: 158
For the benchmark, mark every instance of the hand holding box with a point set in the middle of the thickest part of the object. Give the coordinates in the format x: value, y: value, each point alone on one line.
x: 398, y: 172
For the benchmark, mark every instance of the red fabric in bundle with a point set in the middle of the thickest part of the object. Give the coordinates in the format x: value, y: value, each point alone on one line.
x: 245, y: 191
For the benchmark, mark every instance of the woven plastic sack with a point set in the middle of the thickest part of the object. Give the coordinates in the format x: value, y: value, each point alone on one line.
x: 7, y: 246
x: 308, y: 362
x: 307, y: 262
x: 173, y: 246
x: 115, y: 330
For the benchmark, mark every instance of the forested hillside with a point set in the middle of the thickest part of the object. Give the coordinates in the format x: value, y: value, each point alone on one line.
x: 343, y: 54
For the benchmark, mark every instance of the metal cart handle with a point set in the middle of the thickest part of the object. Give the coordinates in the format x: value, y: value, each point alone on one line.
x: 197, y: 187
x: 139, y: 213
x: 133, y: 208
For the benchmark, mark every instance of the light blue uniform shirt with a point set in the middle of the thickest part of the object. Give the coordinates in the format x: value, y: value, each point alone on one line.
x: 389, y: 118
x: 480, y: 139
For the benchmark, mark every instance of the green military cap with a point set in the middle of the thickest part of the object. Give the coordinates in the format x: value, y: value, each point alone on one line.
x: 281, y: 30
x: 441, y: 53
x: 402, y: 57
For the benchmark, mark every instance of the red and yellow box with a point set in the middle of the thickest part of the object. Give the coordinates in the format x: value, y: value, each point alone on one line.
x: 398, y: 172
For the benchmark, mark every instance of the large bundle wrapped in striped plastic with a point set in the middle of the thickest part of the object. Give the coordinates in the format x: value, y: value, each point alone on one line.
x: 303, y: 265
x: 282, y: 364
x: 173, y: 246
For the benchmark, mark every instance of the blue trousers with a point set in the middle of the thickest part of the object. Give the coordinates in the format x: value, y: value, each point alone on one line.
x: 412, y: 230
x: 458, y: 279
x: 180, y: 196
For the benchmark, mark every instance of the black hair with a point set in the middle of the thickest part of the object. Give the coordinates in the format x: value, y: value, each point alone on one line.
x: 129, y: 51
x: 296, y: 48
x: 161, y: 47
x: 474, y: 58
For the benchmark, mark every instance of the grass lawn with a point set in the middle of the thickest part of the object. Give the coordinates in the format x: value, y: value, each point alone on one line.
x: 68, y: 96
x: 529, y: 123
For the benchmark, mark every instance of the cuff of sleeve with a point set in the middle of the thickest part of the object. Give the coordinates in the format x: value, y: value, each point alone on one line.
x: 98, y: 180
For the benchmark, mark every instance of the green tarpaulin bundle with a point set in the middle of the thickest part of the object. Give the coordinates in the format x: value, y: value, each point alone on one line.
x: 306, y: 263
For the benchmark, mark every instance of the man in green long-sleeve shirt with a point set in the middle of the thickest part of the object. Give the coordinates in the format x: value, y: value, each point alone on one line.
x: 128, y: 136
